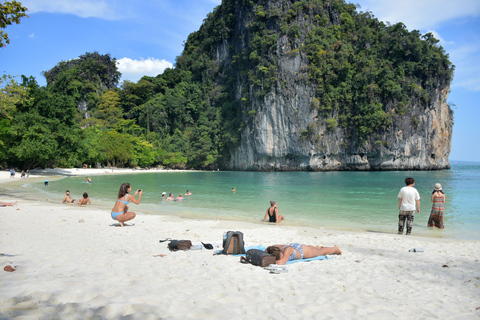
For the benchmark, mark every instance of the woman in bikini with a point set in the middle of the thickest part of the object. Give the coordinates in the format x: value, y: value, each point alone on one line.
x: 272, y: 213
x: 120, y: 210
x: 295, y: 251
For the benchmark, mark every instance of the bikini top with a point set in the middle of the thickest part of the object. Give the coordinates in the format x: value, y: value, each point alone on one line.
x: 292, y: 256
x: 124, y: 201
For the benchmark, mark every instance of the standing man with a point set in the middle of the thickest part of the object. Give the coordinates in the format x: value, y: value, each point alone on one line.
x: 408, y: 197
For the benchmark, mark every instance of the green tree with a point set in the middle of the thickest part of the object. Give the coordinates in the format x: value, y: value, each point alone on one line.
x: 10, y: 12
x: 11, y: 93
x: 109, y: 109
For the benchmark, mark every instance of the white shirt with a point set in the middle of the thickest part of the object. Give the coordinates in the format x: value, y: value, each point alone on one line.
x: 409, y: 196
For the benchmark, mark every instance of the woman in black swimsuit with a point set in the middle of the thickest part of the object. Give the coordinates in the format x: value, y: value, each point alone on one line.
x: 272, y: 213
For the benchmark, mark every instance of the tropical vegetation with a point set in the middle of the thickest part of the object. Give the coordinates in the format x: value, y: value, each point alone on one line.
x: 364, y: 73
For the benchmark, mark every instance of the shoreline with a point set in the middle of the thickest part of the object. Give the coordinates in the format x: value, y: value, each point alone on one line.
x: 187, y: 212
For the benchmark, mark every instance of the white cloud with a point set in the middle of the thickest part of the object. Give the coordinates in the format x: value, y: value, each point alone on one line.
x: 82, y: 8
x: 437, y: 36
x: 133, y: 70
x: 467, y: 70
x: 32, y: 35
x: 421, y: 15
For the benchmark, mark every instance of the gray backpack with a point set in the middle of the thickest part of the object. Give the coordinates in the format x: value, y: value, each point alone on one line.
x: 233, y: 243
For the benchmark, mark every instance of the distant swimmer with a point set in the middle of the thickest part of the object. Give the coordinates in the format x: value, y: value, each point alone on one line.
x: 234, y: 190
x: 89, y: 180
x: 180, y: 197
x: 164, y: 195
x: 85, y: 200
x: 272, y: 213
x: 170, y: 197
x: 188, y: 193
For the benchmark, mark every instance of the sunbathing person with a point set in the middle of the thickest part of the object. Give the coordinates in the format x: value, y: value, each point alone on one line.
x: 7, y: 204
x: 85, y: 200
x: 295, y: 251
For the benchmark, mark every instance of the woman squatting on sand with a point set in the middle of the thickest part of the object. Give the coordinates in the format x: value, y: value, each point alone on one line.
x: 120, y: 210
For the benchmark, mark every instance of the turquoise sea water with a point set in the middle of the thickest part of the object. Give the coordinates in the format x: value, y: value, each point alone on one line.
x: 364, y: 201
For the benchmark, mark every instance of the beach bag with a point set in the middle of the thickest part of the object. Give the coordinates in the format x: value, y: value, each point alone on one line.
x: 259, y: 258
x: 176, y: 245
x: 233, y: 243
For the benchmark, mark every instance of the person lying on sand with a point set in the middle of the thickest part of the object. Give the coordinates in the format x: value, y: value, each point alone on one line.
x: 7, y: 204
x: 85, y: 200
x: 296, y: 251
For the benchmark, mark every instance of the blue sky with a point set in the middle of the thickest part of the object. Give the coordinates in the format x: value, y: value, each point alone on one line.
x: 145, y: 36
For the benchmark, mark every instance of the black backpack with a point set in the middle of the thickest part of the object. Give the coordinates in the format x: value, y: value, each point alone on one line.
x: 258, y: 258
x: 233, y: 243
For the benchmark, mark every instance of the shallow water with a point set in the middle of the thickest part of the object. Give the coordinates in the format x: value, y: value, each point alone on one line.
x: 364, y: 201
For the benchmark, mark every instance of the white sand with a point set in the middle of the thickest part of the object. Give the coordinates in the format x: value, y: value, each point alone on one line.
x: 75, y: 263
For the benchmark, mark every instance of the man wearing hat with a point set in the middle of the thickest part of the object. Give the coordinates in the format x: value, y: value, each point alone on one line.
x: 164, y: 194
x: 408, y: 197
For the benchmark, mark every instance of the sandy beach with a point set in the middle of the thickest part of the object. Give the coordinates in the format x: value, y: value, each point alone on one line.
x: 77, y: 263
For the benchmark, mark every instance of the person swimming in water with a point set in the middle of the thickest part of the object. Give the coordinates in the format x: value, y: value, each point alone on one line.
x: 179, y: 198
x: 296, y: 251
x: 120, y: 210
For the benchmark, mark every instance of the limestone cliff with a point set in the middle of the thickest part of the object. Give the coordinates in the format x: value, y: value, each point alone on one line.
x: 321, y: 86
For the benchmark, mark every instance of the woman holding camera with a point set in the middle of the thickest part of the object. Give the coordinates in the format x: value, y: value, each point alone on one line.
x: 120, y: 210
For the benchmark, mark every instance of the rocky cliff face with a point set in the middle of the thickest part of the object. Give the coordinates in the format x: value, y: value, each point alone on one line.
x: 284, y: 132
x: 273, y: 139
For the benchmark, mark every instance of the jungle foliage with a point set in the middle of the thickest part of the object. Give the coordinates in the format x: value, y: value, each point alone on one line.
x: 364, y: 73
